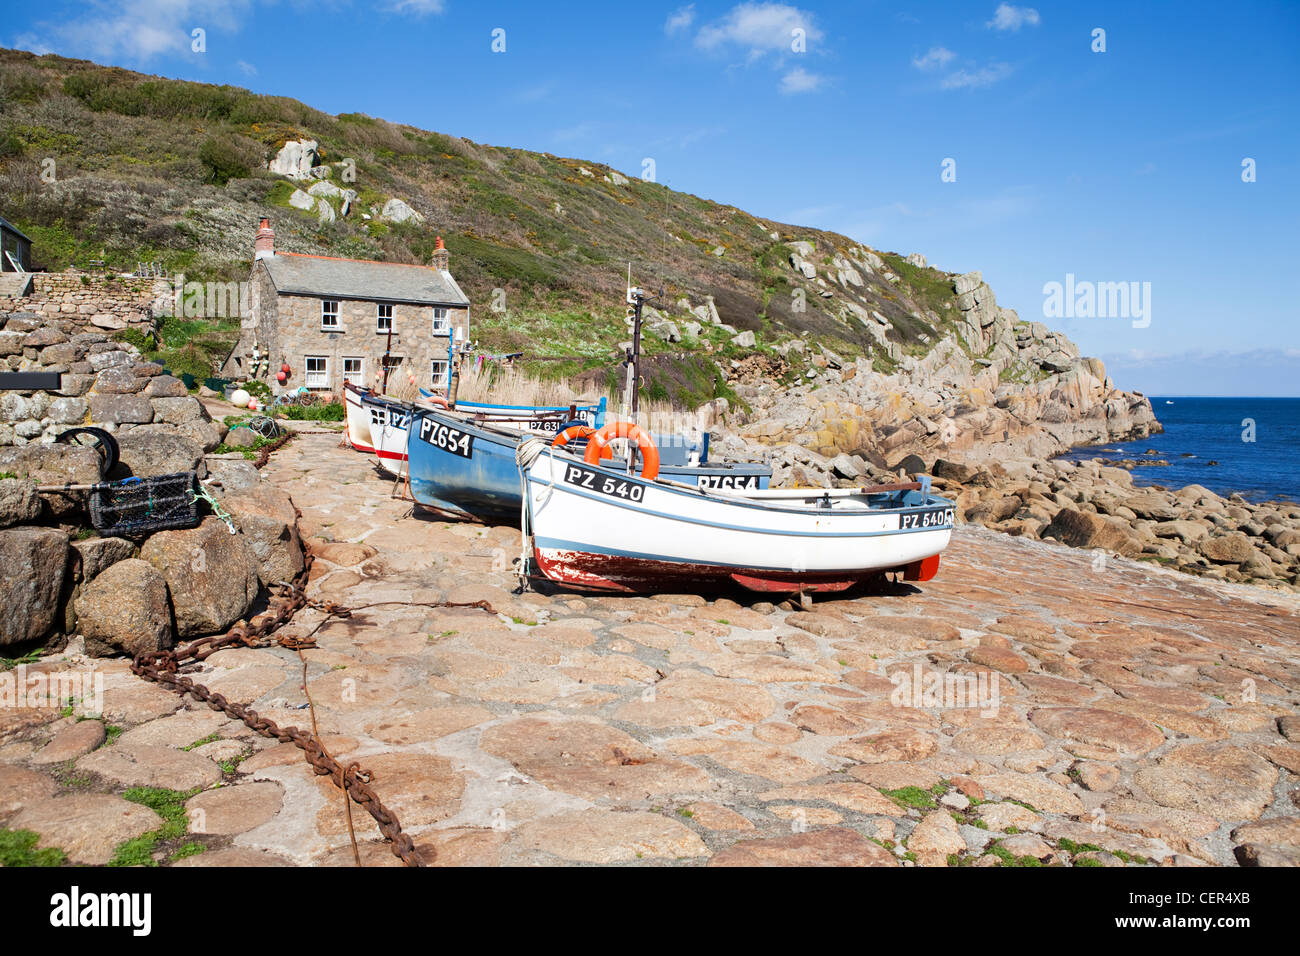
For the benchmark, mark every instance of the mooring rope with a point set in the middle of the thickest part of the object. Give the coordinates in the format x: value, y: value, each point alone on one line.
x: 526, y: 452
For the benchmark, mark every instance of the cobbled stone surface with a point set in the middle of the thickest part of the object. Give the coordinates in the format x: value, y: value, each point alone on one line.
x: 1130, y: 708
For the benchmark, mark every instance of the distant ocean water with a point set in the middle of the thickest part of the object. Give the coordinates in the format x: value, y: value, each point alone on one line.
x: 1199, y: 431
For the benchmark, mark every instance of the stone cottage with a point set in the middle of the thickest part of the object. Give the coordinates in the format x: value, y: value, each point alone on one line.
x: 329, y: 320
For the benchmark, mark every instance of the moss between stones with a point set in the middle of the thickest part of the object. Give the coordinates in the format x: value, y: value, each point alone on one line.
x: 168, y: 804
x: 18, y: 848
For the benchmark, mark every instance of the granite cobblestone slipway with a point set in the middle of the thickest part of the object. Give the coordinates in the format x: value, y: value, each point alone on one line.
x: 1142, y: 717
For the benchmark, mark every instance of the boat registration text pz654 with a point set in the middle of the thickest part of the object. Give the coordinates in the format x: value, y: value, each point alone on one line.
x: 447, y: 438
x: 729, y: 482
x: 921, y: 520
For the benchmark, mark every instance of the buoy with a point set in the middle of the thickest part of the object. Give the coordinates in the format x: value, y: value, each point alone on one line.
x: 580, y: 431
x: 284, y: 367
x: 252, y: 405
x: 599, y: 441
x: 239, y: 398
x: 280, y: 377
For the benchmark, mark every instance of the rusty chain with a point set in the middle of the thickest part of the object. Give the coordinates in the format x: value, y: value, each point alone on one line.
x: 163, y: 667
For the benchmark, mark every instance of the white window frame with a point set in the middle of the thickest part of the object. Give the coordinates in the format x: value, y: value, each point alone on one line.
x: 380, y: 317
x: 443, y: 379
x: 360, y: 377
x: 441, y: 323
x: 321, y: 377
x: 326, y: 312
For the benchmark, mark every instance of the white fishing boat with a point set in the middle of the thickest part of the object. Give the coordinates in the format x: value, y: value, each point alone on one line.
x: 390, y: 439
x: 594, y: 527
x: 359, y: 418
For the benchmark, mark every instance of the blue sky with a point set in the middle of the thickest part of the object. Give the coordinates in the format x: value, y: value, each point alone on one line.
x: 1115, y: 166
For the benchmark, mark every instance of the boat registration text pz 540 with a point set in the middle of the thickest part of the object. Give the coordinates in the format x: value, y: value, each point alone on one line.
x: 603, y: 484
x: 921, y: 520
x: 447, y: 438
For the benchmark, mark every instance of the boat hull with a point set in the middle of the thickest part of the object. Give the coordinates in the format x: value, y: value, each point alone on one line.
x: 601, y: 530
x: 358, y: 418
x: 460, y: 468
x: 381, y: 423
x: 390, y: 440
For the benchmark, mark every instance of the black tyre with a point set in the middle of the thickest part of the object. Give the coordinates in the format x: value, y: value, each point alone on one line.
x: 103, y: 442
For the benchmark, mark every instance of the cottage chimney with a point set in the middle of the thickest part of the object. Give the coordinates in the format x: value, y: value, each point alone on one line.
x: 441, y: 257
x: 264, y: 244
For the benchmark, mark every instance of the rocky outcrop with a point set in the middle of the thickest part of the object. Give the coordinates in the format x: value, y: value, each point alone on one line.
x: 268, y: 520
x: 296, y: 159
x: 124, y: 610
x: 53, y: 464
x: 396, y: 211
x: 974, y: 381
x: 1088, y: 505
x: 19, y: 502
x: 34, y: 561
x: 91, y: 556
x: 211, y: 575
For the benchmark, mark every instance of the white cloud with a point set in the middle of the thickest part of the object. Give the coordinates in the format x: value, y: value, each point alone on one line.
x: 137, y: 29
x: 936, y: 58
x: 680, y: 20
x: 419, y: 8
x: 759, y: 27
x: 32, y: 44
x: 1008, y: 17
x: 246, y: 68
x: 800, y: 80
x: 975, y: 79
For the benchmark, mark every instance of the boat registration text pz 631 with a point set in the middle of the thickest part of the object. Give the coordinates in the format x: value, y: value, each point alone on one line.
x: 921, y: 520
x: 603, y: 484
x: 447, y: 438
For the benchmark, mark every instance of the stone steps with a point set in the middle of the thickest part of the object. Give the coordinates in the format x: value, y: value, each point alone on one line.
x: 14, y: 285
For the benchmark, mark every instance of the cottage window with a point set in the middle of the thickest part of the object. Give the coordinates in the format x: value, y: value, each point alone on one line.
x: 440, y: 373
x: 383, y: 318
x: 440, y: 324
x: 354, y: 369
x: 329, y: 315
x: 318, y: 371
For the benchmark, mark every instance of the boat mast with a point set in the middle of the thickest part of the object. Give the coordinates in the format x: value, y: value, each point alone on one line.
x: 631, y: 396
x: 388, y: 351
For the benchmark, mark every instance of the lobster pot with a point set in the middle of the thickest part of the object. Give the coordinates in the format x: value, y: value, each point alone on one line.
x: 138, y: 506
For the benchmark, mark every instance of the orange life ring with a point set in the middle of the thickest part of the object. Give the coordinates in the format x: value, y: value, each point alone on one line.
x: 600, y: 439
x: 579, y: 431
x: 438, y: 401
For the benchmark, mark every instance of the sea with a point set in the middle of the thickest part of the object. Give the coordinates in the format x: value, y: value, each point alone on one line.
x: 1250, y: 446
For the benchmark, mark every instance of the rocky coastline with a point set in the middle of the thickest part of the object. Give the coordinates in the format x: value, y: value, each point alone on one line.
x: 994, y: 447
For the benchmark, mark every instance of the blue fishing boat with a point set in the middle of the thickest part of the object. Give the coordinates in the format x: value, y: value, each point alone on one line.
x: 538, y: 419
x: 461, y: 467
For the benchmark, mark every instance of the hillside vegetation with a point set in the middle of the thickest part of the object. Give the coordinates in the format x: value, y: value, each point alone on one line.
x: 101, y: 163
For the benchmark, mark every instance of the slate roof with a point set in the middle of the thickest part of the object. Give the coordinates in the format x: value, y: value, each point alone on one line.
x: 10, y: 227
x: 327, y: 278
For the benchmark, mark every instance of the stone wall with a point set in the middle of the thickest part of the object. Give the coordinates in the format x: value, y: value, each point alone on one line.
x: 92, y: 302
x: 105, y: 383
x: 122, y: 595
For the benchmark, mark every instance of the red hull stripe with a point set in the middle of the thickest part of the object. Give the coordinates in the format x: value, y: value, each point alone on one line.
x: 603, y: 572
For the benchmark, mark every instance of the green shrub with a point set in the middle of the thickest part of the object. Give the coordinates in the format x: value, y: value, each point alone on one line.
x: 334, y: 412
x: 222, y: 160
x: 135, y: 337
